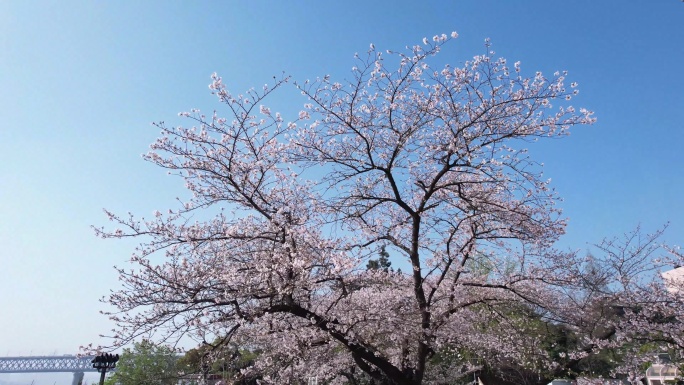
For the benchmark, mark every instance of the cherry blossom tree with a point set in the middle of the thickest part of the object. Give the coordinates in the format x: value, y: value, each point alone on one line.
x: 425, y: 162
x: 629, y: 308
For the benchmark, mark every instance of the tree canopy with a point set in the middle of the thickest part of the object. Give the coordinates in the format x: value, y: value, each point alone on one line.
x: 146, y: 363
x: 424, y: 162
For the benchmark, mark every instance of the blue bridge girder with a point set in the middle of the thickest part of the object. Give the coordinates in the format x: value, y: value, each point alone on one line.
x: 46, y: 364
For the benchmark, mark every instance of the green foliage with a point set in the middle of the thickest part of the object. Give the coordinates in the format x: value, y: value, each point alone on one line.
x: 382, y: 263
x: 146, y: 364
x: 224, y: 360
x: 555, y: 340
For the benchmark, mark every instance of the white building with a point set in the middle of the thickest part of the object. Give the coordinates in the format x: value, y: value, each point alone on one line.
x: 674, y: 279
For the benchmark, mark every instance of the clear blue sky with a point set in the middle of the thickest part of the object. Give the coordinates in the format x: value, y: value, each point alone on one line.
x: 80, y: 82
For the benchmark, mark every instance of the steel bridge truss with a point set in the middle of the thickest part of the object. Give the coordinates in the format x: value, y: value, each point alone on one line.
x: 46, y: 364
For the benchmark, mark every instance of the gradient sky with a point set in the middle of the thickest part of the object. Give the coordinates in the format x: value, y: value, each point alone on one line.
x: 81, y: 81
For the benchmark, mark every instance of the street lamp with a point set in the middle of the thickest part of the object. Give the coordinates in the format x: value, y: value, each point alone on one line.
x: 104, y: 363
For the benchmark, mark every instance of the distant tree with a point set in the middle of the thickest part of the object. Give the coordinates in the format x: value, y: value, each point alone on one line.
x: 425, y: 158
x: 227, y: 361
x: 382, y: 263
x: 146, y: 363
